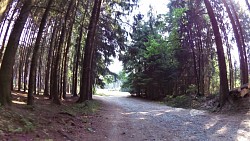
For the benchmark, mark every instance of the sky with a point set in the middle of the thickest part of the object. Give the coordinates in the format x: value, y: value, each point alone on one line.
x: 159, y: 6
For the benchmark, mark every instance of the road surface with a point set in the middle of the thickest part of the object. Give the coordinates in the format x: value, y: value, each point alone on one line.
x: 132, y: 119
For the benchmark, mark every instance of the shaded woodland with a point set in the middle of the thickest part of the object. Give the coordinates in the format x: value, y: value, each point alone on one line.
x: 61, y: 48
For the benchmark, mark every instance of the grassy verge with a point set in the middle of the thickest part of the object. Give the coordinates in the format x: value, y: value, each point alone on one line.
x: 87, y: 107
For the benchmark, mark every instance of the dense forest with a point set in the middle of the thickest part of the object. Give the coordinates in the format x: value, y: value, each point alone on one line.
x: 57, y: 48
x: 182, y: 63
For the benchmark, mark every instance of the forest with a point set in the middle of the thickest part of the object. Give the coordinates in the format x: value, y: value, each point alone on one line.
x: 62, y: 48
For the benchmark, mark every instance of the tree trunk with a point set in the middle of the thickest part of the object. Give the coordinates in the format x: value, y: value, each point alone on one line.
x: 6, y: 32
x: 224, y: 91
x: 35, y: 56
x: 58, y: 55
x: 88, y: 54
x: 9, y: 55
x: 242, y: 40
x: 239, y: 45
x: 66, y: 58
x: 49, y: 61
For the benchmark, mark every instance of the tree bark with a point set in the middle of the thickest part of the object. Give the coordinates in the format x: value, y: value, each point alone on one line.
x: 224, y: 91
x: 88, y: 54
x: 9, y: 55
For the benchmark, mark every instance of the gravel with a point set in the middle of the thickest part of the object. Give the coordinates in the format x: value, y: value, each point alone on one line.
x: 136, y: 119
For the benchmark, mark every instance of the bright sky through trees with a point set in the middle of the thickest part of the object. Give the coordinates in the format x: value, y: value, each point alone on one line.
x: 159, y: 6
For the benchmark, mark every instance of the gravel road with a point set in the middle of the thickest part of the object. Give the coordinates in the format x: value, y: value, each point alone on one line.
x: 132, y: 119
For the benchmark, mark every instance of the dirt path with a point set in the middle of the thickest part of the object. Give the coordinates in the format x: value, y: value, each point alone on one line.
x: 128, y: 119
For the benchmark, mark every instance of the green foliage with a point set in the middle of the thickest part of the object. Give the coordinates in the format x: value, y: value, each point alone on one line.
x: 192, y: 89
x: 150, y: 60
x: 182, y: 101
x: 108, y: 79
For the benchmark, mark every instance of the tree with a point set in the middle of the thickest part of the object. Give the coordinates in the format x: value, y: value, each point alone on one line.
x: 224, y: 90
x: 35, y: 56
x: 8, y: 58
x: 85, y: 88
x: 56, y: 66
x: 244, y: 77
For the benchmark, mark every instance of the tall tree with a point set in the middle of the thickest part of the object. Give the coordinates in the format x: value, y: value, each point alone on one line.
x: 243, y: 67
x: 35, y: 56
x: 9, y: 55
x: 56, y: 68
x: 242, y: 40
x: 224, y: 90
x: 85, y: 88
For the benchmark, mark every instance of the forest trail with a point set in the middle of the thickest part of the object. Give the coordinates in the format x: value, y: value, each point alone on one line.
x: 131, y: 119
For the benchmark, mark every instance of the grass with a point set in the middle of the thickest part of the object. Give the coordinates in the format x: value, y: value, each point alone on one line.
x: 14, y: 122
x: 87, y: 107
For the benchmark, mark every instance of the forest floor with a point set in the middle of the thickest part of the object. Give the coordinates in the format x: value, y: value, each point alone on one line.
x: 116, y: 116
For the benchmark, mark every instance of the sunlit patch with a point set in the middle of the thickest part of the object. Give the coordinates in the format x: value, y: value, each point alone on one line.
x: 246, y: 123
x: 142, y: 118
x: 223, y: 130
x: 18, y: 102
x: 144, y: 113
x: 243, y: 135
x: 211, y: 124
x: 187, y: 123
x: 159, y: 114
x: 194, y: 112
x: 130, y: 113
x: 178, y: 109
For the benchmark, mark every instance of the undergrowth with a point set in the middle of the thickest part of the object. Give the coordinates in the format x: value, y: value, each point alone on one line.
x: 178, y: 101
x: 13, y: 122
x: 87, y: 107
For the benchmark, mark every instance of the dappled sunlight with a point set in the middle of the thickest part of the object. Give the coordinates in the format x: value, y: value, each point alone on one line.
x: 18, y: 102
x: 144, y: 113
x: 243, y: 135
x: 210, y: 124
x: 159, y: 114
x: 129, y: 113
x: 222, y: 130
x: 19, y: 94
x: 195, y: 112
x: 114, y: 93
